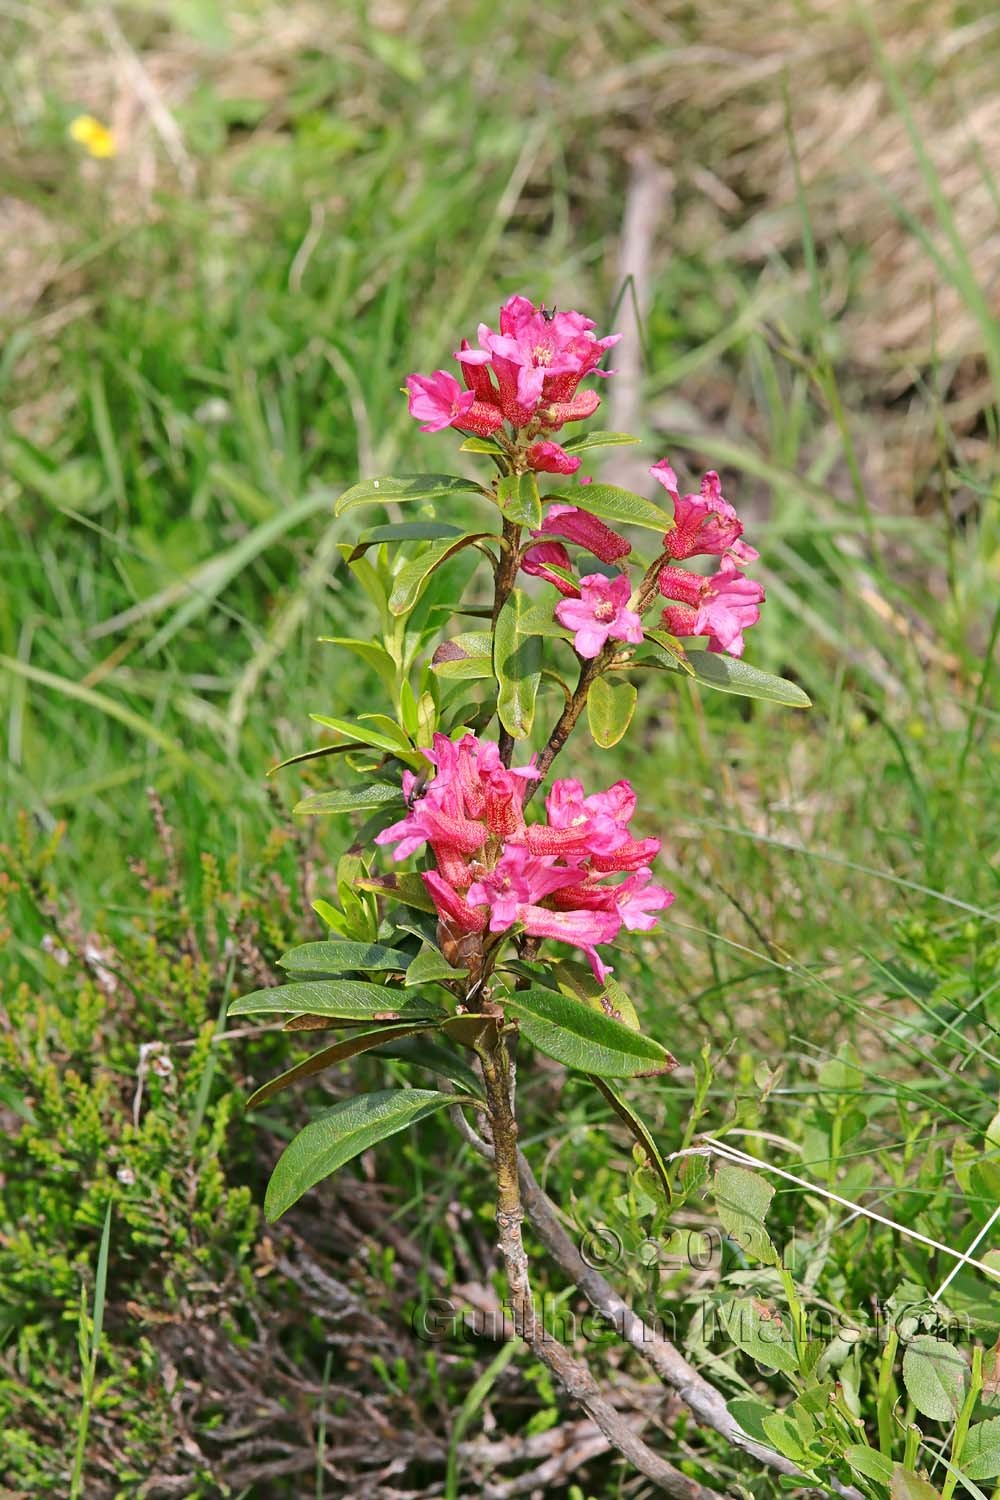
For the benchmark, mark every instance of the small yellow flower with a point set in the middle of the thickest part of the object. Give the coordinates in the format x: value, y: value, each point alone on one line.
x: 93, y: 136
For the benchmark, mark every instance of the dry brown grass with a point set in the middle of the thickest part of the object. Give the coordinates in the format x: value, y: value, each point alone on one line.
x: 700, y: 88
x: 732, y: 66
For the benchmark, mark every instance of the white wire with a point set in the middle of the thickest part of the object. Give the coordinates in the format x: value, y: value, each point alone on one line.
x: 965, y: 1259
x: 744, y: 1159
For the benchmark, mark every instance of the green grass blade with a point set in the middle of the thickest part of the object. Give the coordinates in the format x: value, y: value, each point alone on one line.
x: 89, y: 1372
x: 101, y: 703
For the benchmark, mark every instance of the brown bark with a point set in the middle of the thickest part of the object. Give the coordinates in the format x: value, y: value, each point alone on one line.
x: 574, y: 1376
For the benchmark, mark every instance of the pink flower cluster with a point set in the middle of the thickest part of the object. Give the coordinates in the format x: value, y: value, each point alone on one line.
x: 595, y: 607
x: 494, y: 870
x: 527, y: 374
x: 727, y: 603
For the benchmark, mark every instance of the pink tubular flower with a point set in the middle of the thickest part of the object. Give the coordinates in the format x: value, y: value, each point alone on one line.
x: 635, y: 900
x: 638, y: 899
x: 630, y: 855
x: 567, y: 806
x: 556, y: 414
x: 586, y: 530
x: 484, y: 416
x: 476, y: 373
x: 721, y: 607
x: 453, y: 906
x: 549, y: 458
x: 663, y: 473
x: 463, y: 767
x: 437, y: 401
x: 705, y: 523
x: 580, y: 825
x: 426, y: 823
x: 538, y: 562
x: 575, y: 843
x: 583, y: 928
x: 503, y: 801
x: 482, y: 419
x: 601, y: 613
x: 471, y: 790
x: 559, y: 348
x: 527, y: 373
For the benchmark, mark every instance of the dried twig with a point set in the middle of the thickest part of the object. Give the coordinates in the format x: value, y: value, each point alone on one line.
x: 554, y: 1470
x: 162, y: 120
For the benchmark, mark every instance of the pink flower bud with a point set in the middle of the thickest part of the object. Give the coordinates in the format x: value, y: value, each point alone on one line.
x: 437, y: 400
x: 587, y: 531
x: 538, y: 561
x: 549, y: 458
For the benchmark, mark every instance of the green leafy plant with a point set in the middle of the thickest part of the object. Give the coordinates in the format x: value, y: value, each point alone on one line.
x: 458, y: 951
x: 120, y: 1224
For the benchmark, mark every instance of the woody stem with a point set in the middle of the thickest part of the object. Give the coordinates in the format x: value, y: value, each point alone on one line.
x: 589, y: 671
x: 567, y: 721
x: 574, y: 1376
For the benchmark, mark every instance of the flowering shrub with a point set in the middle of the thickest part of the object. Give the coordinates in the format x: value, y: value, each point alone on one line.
x: 470, y: 946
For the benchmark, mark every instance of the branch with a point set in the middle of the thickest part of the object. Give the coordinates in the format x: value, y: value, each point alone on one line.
x: 554, y: 1470
x: 574, y: 1376
x: 589, y: 671
x: 646, y: 592
x: 567, y: 720
x: 465, y: 1130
